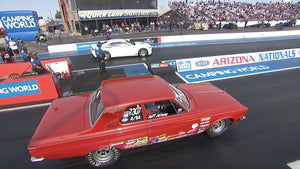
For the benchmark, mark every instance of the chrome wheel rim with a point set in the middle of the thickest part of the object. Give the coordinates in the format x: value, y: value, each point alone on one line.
x: 103, y: 155
x: 218, y: 126
x: 143, y: 53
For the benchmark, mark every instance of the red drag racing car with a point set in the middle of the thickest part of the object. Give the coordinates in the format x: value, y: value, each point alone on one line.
x: 131, y: 112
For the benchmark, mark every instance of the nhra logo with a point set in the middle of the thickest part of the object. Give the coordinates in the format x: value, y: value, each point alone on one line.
x: 202, y: 63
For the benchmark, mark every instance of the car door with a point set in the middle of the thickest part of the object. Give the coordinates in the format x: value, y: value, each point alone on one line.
x: 119, y: 49
x: 167, y: 120
x: 134, y: 128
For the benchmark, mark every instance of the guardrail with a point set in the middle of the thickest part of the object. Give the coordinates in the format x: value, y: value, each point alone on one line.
x: 179, y: 39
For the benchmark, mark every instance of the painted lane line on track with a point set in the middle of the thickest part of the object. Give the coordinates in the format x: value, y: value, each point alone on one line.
x: 294, y: 165
x: 25, y: 107
x: 112, y: 67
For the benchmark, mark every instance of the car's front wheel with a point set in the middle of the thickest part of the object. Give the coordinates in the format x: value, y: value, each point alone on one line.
x: 143, y: 52
x: 103, y: 157
x: 218, y: 128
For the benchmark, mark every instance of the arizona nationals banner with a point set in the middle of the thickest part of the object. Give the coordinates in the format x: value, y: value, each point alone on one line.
x: 21, y: 24
x: 234, y: 59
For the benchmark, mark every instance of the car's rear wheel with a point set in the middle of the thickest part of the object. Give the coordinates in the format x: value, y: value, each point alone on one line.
x: 218, y: 128
x: 107, y: 55
x: 14, y: 76
x: 103, y: 157
x: 143, y: 52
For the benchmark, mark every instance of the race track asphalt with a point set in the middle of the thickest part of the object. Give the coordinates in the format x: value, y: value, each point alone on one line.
x: 268, y: 139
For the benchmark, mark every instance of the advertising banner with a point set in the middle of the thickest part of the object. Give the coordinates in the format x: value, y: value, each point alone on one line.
x: 27, y: 90
x: 239, y: 70
x: 21, y: 24
x: 15, y: 89
x: 234, y: 59
x: 122, y: 13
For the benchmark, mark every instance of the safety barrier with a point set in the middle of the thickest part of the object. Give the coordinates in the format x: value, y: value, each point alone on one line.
x: 27, y: 90
x: 180, y: 39
x: 58, y: 64
x: 209, y: 62
x: 20, y: 85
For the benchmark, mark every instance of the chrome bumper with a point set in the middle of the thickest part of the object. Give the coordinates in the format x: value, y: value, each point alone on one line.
x: 243, y: 118
x: 34, y: 159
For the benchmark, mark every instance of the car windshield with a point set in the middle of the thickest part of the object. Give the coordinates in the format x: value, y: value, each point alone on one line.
x: 181, y: 97
x: 96, y: 107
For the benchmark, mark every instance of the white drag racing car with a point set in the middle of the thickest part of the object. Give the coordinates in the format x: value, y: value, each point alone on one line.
x: 121, y: 47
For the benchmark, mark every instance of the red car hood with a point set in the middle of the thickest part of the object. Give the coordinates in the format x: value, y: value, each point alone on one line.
x: 208, y: 97
x: 63, y: 117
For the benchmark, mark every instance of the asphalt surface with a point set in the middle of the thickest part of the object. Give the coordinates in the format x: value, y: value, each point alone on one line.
x: 268, y: 139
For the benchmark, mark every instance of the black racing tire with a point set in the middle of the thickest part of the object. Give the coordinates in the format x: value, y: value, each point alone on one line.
x: 14, y: 76
x: 103, y: 157
x: 143, y: 52
x: 107, y: 55
x: 218, y: 128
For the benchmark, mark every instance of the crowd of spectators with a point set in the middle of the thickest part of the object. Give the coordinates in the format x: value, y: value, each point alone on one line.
x: 236, y: 11
x: 211, y: 12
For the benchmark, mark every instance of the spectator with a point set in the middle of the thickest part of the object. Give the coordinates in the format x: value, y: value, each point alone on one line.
x: 108, y: 34
x: 38, y: 40
x: 36, y: 64
x: 14, y: 48
x: 6, y: 57
x: 20, y: 44
x: 24, y: 53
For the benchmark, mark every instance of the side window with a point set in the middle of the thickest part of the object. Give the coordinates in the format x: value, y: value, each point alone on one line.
x: 160, y: 109
x: 132, y: 114
x: 124, y: 44
x: 116, y: 44
x: 177, y: 107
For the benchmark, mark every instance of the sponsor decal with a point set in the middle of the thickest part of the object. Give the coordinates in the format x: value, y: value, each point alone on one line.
x: 115, y: 144
x: 184, y: 65
x: 202, y: 63
x: 206, y: 119
x: 233, y: 60
x: 137, y: 142
x: 122, y: 13
x: 201, y: 130
x: 171, y: 63
x: 154, y: 66
x: 163, y: 65
x: 149, y: 40
x: 204, y: 122
x: 16, y: 89
x: 181, y: 134
x: 192, y: 131
x: 25, y: 21
x: 226, y: 72
x: 277, y: 55
x: 83, y: 46
x: 195, y: 125
x: 158, y: 139
x: 172, y: 137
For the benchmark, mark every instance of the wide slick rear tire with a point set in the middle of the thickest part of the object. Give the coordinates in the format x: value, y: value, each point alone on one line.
x: 103, y: 157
